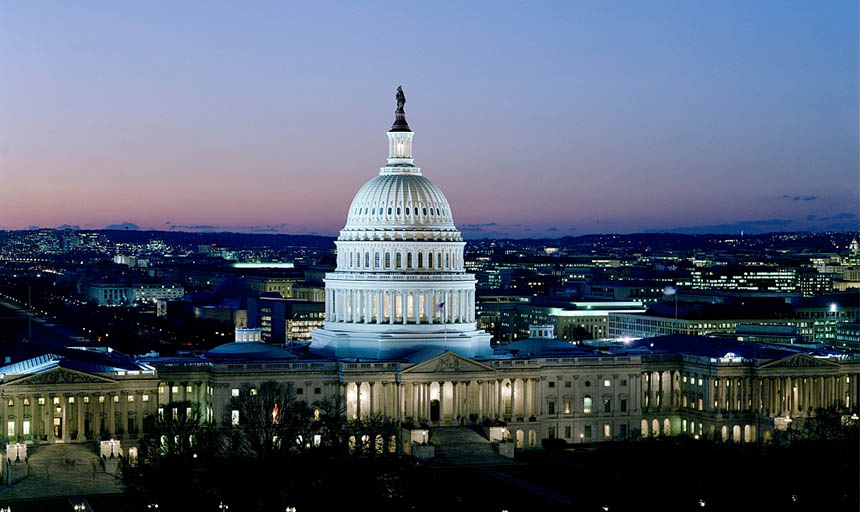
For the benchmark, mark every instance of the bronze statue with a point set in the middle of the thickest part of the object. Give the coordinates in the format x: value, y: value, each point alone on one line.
x: 401, y: 100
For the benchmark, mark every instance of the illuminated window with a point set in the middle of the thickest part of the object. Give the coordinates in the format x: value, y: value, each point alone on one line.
x: 116, y: 398
x: 10, y: 432
x: 131, y: 398
x: 586, y: 404
x: 234, y: 417
x: 188, y: 389
x: 56, y: 401
x: 26, y: 427
x: 253, y: 391
x: 607, y: 383
x: 234, y: 392
x: 41, y: 400
x: 146, y: 398
x: 101, y: 399
x: 175, y: 389
x: 567, y: 407
x: 607, y: 431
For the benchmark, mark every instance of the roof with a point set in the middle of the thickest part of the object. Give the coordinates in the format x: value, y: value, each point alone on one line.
x: 248, y: 351
x: 544, y: 347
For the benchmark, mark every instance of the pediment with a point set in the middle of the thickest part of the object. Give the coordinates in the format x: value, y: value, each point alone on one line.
x: 59, y: 376
x: 801, y: 361
x: 449, y: 362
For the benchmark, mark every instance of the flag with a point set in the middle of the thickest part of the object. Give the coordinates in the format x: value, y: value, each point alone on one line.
x: 439, y: 307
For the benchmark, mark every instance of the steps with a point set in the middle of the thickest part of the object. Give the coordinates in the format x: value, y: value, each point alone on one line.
x: 463, y: 446
x: 62, y: 470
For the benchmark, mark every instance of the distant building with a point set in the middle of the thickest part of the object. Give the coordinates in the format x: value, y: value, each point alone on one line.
x: 282, y: 320
x: 643, y: 291
x: 848, y: 335
x: 280, y: 285
x: 123, y: 294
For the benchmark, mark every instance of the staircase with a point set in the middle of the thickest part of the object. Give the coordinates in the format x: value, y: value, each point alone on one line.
x: 463, y: 446
x: 62, y: 470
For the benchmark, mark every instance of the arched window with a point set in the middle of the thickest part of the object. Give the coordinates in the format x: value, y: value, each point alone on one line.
x: 398, y: 210
x: 430, y: 260
x: 586, y: 404
x: 420, y: 260
x: 387, y: 260
x: 399, y: 260
x: 366, y: 259
x: 425, y: 212
x: 389, y: 210
x: 437, y: 211
x: 409, y: 260
x: 365, y: 211
x: 416, y: 210
x: 376, y: 261
x: 350, y: 259
x: 431, y: 212
x: 407, y: 211
x: 373, y: 211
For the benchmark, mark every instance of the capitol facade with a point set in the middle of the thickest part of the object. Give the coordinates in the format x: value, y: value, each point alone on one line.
x: 400, y: 341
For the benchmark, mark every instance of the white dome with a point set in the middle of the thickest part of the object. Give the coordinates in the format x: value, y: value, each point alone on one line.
x: 400, y: 202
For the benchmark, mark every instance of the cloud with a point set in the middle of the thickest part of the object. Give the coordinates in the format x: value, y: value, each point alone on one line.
x: 125, y: 226
x: 800, y: 198
x: 838, y: 216
x: 552, y: 229
x: 747, y: 226
x: 475, y: 227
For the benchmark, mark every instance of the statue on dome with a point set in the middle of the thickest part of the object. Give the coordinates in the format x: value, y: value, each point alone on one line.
x: 401, y: 100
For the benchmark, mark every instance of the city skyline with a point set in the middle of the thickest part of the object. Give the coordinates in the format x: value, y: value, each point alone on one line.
x: 549, y: 122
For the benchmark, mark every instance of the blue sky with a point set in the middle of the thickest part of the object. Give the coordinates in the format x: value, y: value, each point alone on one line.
x: 536, y: 119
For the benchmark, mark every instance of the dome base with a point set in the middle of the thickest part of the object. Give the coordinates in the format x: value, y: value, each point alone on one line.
x: 375, y: 345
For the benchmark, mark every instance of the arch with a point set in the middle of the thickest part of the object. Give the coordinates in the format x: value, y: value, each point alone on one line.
x: 667, y: 427
x: 736, y: 433
x: 655, y: 427
x: 747, y: 434
x: 766, y: 436
x: 724, y: 433
x: 532, y: 438
x: 644, y: 428
x: 587, y: 404
x: 520, y: 439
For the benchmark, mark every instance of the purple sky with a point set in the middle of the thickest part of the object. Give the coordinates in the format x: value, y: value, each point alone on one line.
x: 549, y: 120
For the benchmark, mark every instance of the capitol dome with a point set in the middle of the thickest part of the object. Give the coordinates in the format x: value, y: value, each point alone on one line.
x: 400, y: 284
x: 404, y: 202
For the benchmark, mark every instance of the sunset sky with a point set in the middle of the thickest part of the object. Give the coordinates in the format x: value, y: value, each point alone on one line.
x: 535, y: 119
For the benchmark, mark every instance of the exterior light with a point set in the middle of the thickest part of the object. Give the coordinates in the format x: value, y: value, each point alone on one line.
x: 702, y: 503
x: 834, y: 308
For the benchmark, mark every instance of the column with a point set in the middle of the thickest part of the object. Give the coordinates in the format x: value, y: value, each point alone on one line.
x: 79, y: 401
x: 391, y: 305
x: 468, y: 413
x: 455, y: 405
x: 416, y: 306
x: 379, y: 302
x: 19, y: 418
x: 35, y: 410
x: 500, y: 411
x: 138, y: 399
x: 371, y: 386
x: 67, y: 430
x: 112, y: 414
x: 97, y: 415
x: 358, y: 400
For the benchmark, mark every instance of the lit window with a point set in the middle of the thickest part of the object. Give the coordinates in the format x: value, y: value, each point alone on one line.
x: 116, y: 398
x: 131, y: 398
x: 234, y: 417
x: 253, y: 391
x: 56, y: 401
x: 234, y: 392
x: 101, y: 399
x: 586, y: 404
x: 175, y: 389
x: 146, y: 398
x: 188, y: 389
x: 71, y: 399
x: 26, y: 427
x: 607, y: 431
x: 41, y: 400
x: 607, y: 383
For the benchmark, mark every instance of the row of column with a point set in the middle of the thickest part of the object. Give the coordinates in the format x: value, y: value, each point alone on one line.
x: 387, y: 306
x: 400, y: 260
x: 517, y: 399
x: 72, y: 411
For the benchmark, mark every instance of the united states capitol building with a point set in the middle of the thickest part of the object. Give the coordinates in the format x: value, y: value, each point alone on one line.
x: 400, y: 341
